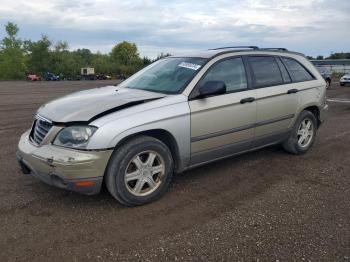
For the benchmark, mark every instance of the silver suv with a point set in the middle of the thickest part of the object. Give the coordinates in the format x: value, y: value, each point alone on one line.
x: 178, y: 113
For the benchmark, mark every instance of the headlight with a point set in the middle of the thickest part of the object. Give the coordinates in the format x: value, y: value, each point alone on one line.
x: 74, y: 136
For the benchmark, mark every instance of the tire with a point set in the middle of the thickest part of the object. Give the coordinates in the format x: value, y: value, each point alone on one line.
x: 292, y: 144
x: 342, y: 84
x: 328, y: 83
x: 131, y: 176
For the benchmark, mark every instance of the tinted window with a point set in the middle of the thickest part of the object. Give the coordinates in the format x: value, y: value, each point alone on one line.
x: 297, y: 71
x: 230, y: 71
x: 285, y: 75
x: 265, y: 70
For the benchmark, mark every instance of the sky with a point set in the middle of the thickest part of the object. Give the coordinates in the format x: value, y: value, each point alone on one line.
x: 314, y: 27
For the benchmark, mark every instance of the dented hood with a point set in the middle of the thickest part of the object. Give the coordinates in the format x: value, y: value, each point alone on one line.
x: 90, y: 104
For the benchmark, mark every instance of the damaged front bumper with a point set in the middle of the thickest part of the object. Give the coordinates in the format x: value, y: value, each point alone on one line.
x: 75, y: 170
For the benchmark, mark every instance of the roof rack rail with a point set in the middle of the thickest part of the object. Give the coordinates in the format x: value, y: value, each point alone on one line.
x: 274, y: 48
x: 229, y: 47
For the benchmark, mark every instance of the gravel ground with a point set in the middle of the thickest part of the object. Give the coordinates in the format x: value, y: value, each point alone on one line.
x: 265, y: 205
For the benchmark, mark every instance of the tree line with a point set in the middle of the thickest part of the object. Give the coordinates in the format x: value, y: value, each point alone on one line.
x: 21, y: 57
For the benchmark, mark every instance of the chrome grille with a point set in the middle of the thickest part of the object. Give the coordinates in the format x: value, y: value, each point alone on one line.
x: 40, y: 129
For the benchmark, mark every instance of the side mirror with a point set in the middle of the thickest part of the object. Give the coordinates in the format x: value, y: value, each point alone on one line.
x: 211, y: 88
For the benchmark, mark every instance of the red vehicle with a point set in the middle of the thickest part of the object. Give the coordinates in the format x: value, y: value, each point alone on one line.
x: 33, y: 78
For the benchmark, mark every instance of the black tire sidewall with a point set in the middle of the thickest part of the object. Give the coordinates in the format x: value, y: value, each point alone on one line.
x: 121, y: 159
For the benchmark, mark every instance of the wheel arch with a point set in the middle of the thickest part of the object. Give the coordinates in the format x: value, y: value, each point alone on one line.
x: 315, y: 111
x: 163, y: 135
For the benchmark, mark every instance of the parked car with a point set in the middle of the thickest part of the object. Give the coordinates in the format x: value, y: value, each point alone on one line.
x: 51, y: 77
x: 103, y: 77
x: 33, y: 77
x: 344, y: 80
x: 326, y: 73
x: 174, y: 115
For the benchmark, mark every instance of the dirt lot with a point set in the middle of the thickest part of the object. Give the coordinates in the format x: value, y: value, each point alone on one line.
x: 264, y: 205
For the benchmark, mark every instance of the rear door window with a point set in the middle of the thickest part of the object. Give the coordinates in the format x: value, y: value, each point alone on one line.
x: 265, y: 71
x: 297, y: 71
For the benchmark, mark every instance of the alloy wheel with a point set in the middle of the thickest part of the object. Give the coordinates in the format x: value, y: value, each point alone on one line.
x: 305, y: 133
x: 144, y: 173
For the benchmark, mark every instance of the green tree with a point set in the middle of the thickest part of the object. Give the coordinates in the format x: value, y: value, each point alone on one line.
x: 85, y: 56
x: 103, y: 64
x: 19, y: 57
x: 146, y: 61
x: 63, y: 62
x: 12, y: 60
x: 125, y: 54
x: 341, y: 55
x: 162, y: 55
x: 39, y: 55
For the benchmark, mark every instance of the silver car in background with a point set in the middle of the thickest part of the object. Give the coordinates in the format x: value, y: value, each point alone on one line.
x: 178, y: 113
x: 345, y: 79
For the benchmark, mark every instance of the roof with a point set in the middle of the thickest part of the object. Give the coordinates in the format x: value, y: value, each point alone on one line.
x: 210, y: 53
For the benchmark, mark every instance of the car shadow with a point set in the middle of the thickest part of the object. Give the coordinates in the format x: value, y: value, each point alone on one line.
x: 241, y: 176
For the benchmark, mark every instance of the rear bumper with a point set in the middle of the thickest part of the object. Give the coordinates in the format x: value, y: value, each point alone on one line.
x: 79, y: 171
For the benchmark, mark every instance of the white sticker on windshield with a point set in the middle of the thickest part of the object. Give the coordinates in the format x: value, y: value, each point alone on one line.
x: 189, y: 65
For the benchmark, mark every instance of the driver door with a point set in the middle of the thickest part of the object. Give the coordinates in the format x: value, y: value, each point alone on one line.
x: 223, y: 125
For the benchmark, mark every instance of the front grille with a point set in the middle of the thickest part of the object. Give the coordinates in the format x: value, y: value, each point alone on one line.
x: 40, y: 129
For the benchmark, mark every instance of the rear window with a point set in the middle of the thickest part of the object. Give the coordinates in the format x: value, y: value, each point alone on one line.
x: 297, y: 71
x: 265, y: 70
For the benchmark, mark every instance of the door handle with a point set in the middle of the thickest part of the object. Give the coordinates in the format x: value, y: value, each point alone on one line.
x: 247, y: 100
x: 292, y: 91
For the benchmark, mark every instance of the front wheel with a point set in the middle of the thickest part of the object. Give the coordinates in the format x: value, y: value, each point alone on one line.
x: 140, y: 171
x: 303, y: 134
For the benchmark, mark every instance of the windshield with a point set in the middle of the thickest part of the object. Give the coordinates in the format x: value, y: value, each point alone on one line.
x: 169, y: 75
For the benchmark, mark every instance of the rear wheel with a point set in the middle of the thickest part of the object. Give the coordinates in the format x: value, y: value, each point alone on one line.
x: 303, y: 134
x: 328, y: 83
x: 140, y: 171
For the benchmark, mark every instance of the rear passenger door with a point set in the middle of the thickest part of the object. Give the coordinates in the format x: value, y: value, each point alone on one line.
x: 277, y: 102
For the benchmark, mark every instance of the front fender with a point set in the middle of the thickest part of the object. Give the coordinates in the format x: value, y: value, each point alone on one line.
x: 174, y: 119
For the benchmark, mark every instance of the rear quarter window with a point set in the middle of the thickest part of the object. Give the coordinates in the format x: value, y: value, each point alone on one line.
x: 297, y: 71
